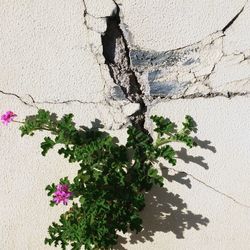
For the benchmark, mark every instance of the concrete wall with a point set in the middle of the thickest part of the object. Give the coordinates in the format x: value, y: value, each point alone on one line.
x: 106, y: 60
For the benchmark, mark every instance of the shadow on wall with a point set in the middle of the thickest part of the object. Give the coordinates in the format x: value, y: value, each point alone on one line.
x: 167, y: 212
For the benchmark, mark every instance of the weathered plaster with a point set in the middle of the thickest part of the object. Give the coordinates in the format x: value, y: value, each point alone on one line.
x: 120, y: 62
x: 157, y: 25
x: 194, y: 68
x: 197, y: 69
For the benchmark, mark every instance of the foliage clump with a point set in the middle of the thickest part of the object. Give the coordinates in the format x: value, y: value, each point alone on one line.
x: 108, y: 190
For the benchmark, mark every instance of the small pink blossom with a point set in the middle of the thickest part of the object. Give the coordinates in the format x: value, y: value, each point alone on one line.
x: 62, y: 194
x: 8, y: 117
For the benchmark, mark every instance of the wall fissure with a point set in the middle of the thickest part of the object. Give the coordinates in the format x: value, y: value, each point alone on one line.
x: 233, y: 19
x: 116, y: 53
x: 210, y: 187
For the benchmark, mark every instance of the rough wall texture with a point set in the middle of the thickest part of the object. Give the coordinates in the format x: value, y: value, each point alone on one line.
x: 120, y: 62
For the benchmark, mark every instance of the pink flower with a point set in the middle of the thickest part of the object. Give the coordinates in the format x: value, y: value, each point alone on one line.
x: 8, y: 117
x: 62, y: 194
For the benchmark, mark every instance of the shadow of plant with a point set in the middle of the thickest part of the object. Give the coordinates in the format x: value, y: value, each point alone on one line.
x: 199, y: 160
x: 165, y: 211
x: 205, y: 144
x: 180, y: 177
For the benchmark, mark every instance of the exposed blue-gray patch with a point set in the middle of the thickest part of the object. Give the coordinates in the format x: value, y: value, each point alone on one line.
x: 153, y: 75
x: 146, y: 58
x: 143, y: 58
x: 117, y: 93
x: 168, y: 88
x: 189, y: 61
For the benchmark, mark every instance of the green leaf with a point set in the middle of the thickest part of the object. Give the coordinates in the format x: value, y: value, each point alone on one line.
x: 82, y: 200
x: 155, y: 177
x: 51, y: 189
x: 135, y: 223
x: 189, y: 124
x: 163, y: 125
x: 168, y: 153
x: 188, y: 140
x: 46, y: 145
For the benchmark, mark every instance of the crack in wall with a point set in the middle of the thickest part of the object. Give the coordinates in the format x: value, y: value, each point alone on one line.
x: 230, y: 23
x: 116, y: 54
x: 117, y: 103
x: 191, y: 71
x: 210, y: 187
x: 19, y: 98
x: 92, y: 48
x: 113, y: 118
x: 34, y: 102
x: 127, y: 77
x: 67, y: 102
x: 228, y: 95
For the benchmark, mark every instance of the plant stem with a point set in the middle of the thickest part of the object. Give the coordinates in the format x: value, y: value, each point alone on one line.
x: 18, y: 122
x: 160, y: 142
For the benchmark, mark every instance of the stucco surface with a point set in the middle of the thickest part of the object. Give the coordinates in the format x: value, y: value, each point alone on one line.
x: 161, y: 25
x: 237, y: 38
x: 44, y: 50
x: 112, y: 60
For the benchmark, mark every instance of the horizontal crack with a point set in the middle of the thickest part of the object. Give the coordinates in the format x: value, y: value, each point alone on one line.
x: 210, y: 187
x: 45, y: 102
x: 228, y: 95
x: 18, y: 97
x: 66, y: 102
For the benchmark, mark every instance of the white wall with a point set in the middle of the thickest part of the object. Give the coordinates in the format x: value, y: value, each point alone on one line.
x: 50, y: 59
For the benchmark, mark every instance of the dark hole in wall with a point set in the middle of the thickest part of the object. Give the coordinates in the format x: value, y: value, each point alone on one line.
x: 109, y: 39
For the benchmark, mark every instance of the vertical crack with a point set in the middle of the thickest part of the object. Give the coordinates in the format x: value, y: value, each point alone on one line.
x: 116, y: 54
